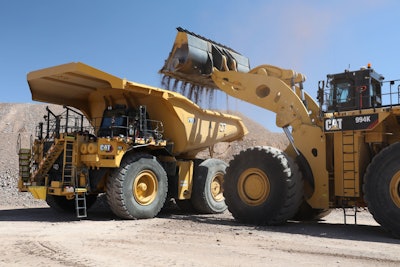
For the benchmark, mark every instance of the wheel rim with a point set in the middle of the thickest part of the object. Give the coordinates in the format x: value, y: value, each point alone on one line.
x: 395, y: 189
x: 216, y: 187
x: 145, y: 187
x: 253, y: 187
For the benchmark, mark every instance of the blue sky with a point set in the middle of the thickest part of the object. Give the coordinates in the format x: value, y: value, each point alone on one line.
x: 131, y: 39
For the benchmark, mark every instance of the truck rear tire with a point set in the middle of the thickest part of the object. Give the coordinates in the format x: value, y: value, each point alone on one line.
x: 263, y: 186
x: 138, y: 188
x: 382, y: 188
x: 207, y: 193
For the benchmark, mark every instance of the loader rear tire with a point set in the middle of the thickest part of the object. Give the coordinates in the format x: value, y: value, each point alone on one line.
x: 263, y: 186
x: 138, y: 188
x: 382, y: 188
x: 207, y: 192
x: 62, y: 204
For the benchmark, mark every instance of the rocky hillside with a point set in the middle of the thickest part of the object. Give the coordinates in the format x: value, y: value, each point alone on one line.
x: 21, y: 120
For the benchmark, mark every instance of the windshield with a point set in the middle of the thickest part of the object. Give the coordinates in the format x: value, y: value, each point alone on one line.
x: 343, y: 92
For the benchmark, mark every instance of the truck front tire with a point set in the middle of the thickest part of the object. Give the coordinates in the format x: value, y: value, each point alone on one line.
x: 138, y: 188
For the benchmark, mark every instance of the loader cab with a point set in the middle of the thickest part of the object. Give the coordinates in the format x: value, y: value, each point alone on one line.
x: 353, y: 90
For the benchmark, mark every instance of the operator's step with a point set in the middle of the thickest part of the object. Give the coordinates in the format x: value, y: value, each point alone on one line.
x: 350, y: 212
x: 80, y: 202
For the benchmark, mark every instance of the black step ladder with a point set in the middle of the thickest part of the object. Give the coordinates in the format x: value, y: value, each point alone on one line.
x: 353, y: 213
x: 80, y: 202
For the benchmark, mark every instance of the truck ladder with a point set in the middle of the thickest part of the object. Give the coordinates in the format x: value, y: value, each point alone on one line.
x: 68, y: 168
x: 24, y: 156
x: 349, y: 173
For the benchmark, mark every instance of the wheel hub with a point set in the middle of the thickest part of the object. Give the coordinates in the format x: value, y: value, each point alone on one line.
x: 216, y: 187
x: 145, y: 187
x: 253, y: 186
x: 394, y: 188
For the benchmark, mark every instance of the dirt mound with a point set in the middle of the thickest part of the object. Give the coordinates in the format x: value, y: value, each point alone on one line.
x: 16, y: 120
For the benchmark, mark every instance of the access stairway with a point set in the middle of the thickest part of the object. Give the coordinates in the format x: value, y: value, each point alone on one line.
x: 62, y: 144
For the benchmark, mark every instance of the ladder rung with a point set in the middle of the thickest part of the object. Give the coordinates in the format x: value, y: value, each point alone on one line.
x: 80, y: 190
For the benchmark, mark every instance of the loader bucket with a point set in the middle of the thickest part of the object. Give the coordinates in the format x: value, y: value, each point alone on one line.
x: 193, y: 58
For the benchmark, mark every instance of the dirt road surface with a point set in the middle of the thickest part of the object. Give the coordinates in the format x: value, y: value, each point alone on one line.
x: 38, y: 236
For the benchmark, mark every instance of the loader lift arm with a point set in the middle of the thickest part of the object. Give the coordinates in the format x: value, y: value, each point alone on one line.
x: 271, y: 88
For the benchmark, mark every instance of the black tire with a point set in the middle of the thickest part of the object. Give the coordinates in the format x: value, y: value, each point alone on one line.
x: 382, y: 188
x: 263, y: 186
x: 207, y: 192
x: 307, y: 213
x: 138, y: 188
x: 62, y: 204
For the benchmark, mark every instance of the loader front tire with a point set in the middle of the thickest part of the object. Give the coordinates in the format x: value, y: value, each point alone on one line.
x: 207, y: 193
x: 382, y: 188
x: 263, y: 186
x: 138, y: 188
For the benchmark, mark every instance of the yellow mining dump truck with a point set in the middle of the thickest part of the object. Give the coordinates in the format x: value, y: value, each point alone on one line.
x: 136, y: 143
x: 344, y: 150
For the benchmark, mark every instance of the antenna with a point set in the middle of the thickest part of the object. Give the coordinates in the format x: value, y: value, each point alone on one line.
x: 348, y: 68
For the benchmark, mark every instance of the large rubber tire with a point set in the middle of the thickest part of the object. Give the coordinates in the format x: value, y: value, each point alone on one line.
x: 62, y: 204
x: 207, y: 192
x: 382, y: 188
x: 138, y: 188
x: 263, y: 186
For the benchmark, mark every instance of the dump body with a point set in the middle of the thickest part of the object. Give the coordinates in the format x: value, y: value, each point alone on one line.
x: 91, y: 91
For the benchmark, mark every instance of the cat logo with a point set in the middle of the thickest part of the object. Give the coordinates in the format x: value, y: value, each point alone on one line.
x: 105, y: 147
x: 333, y: 124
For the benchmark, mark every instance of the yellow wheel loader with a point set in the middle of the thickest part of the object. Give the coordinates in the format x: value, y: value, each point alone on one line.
x: 344, y: 149
x: 136, y: 143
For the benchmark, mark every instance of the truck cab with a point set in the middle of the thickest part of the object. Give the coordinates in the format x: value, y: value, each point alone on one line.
x: 353, y: 90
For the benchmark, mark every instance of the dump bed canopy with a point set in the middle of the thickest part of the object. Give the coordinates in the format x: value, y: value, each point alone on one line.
x: 92, y: 91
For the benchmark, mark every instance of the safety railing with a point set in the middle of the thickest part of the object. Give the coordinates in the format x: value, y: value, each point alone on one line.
x: 69, y: 121
x: 391, y: 93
